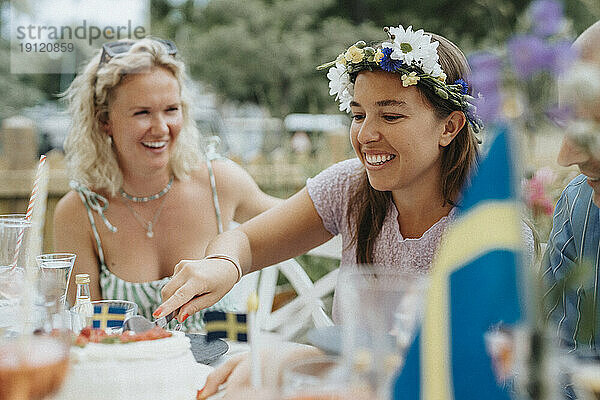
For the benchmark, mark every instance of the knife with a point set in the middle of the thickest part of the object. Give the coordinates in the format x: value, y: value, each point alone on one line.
x: 138, y: 323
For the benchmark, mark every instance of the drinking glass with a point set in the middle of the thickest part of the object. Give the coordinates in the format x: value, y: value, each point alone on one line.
x: 34, y: 340
x: 14, y: 233
x: 14, y: 229
x: 316, y: 378
x: 55, y: 272
x: 34, y: 360
x: 381, y: 309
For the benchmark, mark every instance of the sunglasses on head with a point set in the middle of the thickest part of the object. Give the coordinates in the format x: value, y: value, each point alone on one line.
x: 113, y: 49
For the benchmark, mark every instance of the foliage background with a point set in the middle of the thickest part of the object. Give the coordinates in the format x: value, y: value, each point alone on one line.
x: 265, y: 51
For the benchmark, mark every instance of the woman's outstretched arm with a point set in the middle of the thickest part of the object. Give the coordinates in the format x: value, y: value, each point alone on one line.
x: 285, y: 231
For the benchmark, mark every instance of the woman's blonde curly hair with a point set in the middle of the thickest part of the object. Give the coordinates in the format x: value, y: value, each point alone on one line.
x: 89, y: 150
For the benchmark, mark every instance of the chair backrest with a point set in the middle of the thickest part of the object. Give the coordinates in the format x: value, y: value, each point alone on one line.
x: 288, y: 320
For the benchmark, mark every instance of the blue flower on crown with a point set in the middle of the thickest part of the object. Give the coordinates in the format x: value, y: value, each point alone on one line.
x: 387, y: 63
x: 465, y: 86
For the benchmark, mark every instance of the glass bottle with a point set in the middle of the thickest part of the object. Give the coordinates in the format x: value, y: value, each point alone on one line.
x: 83, y: 302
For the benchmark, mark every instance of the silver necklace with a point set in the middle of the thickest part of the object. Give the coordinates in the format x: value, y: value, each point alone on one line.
x: 147, y: 225
x: 146, y: 199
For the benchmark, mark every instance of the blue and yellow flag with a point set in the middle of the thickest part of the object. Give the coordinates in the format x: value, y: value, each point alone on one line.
x: 219, y: 324
x: 107, y: 316
x: 474, y: 286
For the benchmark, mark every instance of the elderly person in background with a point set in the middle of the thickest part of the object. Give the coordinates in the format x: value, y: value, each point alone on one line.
x: 575, y: 237
x: 143, y: 198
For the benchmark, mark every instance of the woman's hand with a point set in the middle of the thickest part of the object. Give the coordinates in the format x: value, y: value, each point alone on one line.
x: 195, y: 285
x: 236, y: 371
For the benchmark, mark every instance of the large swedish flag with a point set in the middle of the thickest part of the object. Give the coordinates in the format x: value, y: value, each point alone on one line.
x: 474, y: 285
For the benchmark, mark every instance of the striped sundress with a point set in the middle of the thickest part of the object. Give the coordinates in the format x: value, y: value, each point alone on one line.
x: 145, y: 294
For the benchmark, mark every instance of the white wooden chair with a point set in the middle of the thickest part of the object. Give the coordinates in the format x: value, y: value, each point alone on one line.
x: 288, y: 320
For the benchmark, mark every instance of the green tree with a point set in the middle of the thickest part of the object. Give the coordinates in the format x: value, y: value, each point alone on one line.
x: 15, y: 91
x: 266, y: 52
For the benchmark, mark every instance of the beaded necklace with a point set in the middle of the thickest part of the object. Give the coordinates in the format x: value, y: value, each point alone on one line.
x: 146, y: 199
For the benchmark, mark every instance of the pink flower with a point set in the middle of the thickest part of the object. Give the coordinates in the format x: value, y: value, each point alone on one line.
x: 534, y: 192
x: 545, y: 175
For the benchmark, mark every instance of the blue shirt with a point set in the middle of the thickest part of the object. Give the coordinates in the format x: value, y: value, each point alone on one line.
x: 574, y: 240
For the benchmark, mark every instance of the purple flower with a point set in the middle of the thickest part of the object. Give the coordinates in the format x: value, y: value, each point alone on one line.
x: 387, y: 63
x: 486, y: 73
x: 485, y: 61
x: 563, y: 55
x: 489, y: 107
x: 485, y: 80
x: 529, y: 54
x: 547, y: 16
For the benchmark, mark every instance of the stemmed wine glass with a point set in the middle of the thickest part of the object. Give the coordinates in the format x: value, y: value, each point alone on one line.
x: 55, y: 272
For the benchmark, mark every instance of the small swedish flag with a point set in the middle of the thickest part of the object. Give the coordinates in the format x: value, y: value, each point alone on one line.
x: 107, y: 316
x: 219, y: 324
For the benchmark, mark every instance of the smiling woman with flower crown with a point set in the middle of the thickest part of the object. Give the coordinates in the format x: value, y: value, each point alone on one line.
x: 413, y: 134
x: 143, y: 198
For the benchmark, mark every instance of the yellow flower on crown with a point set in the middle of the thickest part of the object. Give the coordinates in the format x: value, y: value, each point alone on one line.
x: 410, y: 79
x: 442, y: 77
x: 378, y: 56
x: 354, y: 54
x: 341, y: 59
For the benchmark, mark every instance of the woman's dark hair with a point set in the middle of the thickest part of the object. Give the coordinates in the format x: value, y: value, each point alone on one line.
x: 368, y: 207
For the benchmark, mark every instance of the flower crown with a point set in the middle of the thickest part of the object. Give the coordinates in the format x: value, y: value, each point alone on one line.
x: 411, y: 54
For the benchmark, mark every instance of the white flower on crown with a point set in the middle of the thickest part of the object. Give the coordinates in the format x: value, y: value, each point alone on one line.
x: 340, y: 86
x: 415, y: 48
x: 431, y: 66
x: 346, y: 97
x: 339, y: 79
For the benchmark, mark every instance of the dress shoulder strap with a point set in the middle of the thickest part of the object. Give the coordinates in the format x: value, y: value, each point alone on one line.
x: 211, y: 154
x: 93, y: 201
x: 213, y: 186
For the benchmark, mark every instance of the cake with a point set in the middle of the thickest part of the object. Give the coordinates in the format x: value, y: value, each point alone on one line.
x: 152, y: 365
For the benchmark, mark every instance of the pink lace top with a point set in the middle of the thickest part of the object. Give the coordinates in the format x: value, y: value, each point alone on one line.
x: 330, y: 191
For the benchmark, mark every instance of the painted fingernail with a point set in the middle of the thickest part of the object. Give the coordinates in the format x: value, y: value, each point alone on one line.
x: 185, y: 317
x: 157, y: 312
x: 199, y: 394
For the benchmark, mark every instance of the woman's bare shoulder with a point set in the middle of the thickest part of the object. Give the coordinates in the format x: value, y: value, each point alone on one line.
x: 231, y: 174
x: 197, y: 177
x: 70, y: 208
